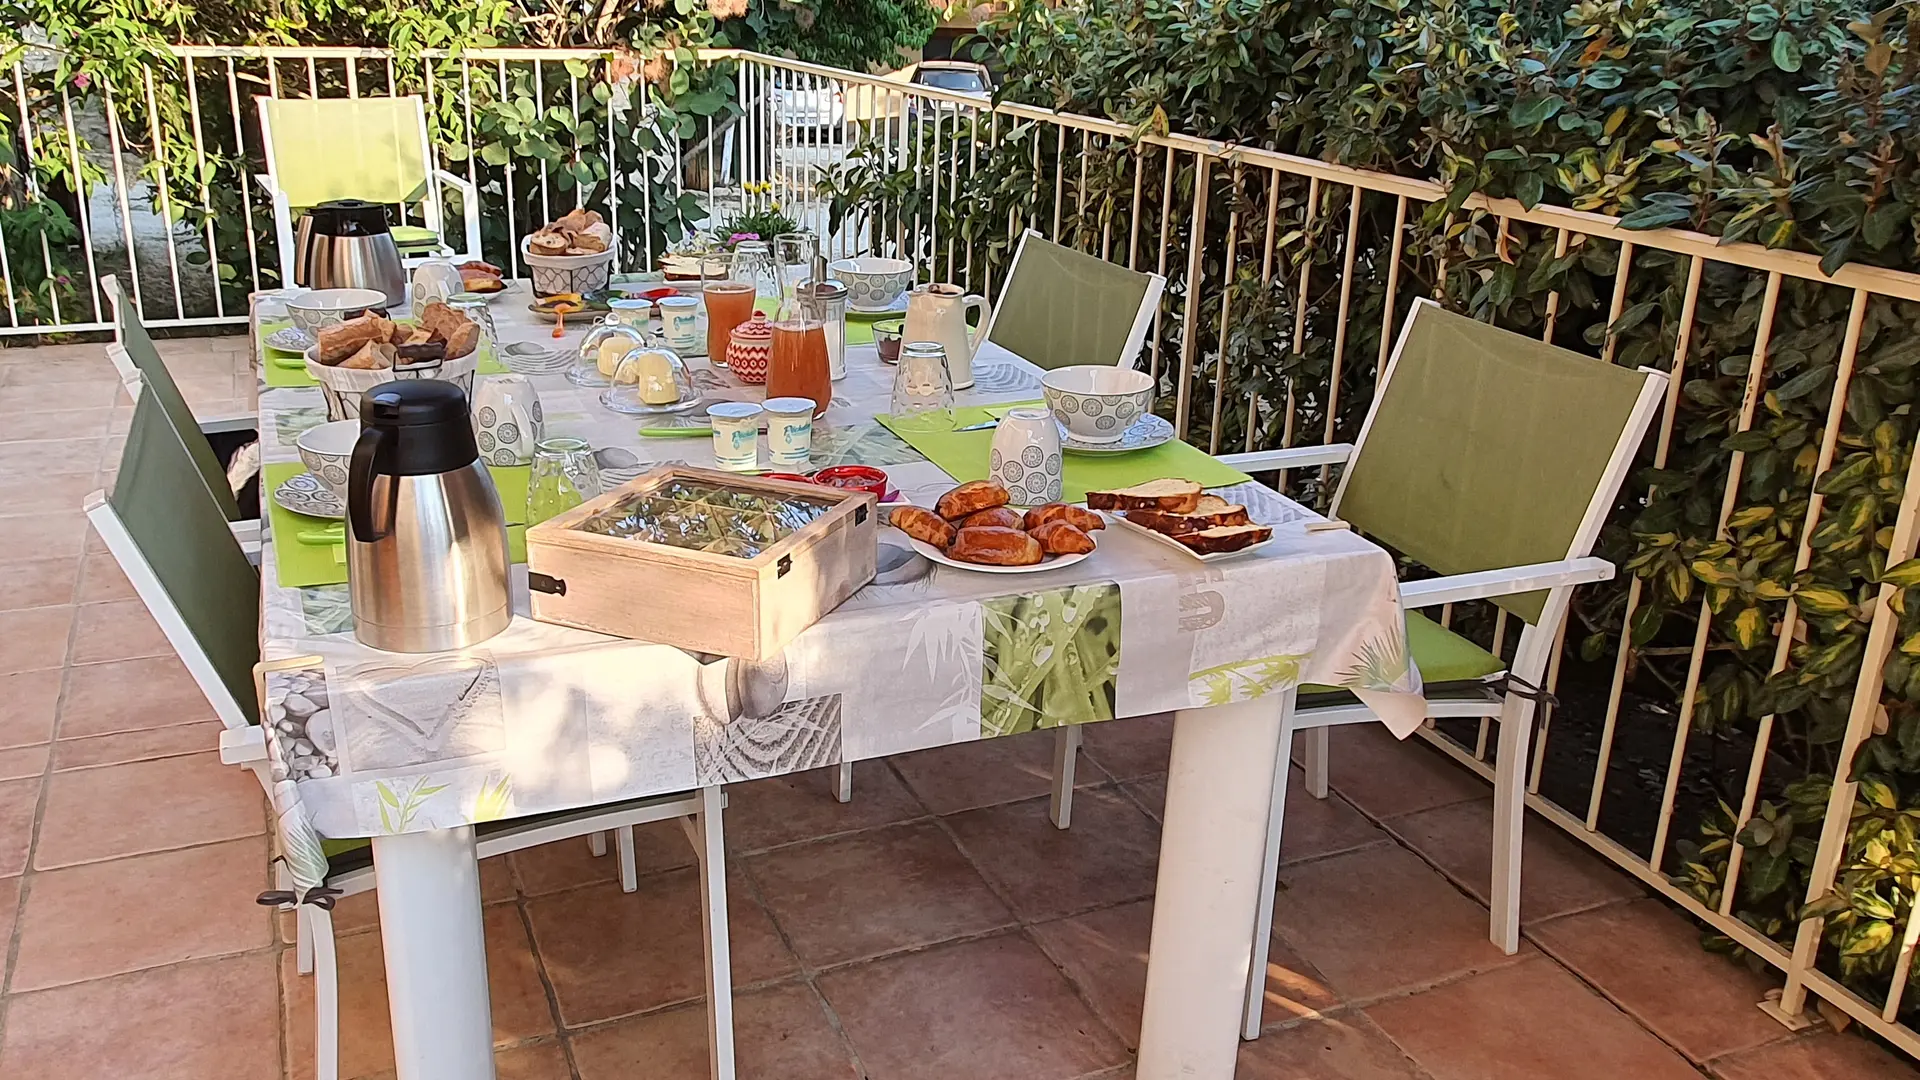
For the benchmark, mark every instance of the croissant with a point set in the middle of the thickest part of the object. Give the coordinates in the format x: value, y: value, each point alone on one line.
x: 923, y: 525
x: 1083, y: 519
x: 1004, y: 516
x: 1062, y: 538
x: 993, y: 545
x: 971, y: 498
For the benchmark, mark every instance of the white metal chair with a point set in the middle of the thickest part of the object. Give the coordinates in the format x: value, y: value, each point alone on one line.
x: 1494, y: 459
x: 171, y: 540
x: 1060, y: 307
x: 371, y: 148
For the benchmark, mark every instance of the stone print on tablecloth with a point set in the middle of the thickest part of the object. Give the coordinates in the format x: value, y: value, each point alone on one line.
x: 1050, y: 658
x: 797, y: 736
x: 326, y: 609
x: 290, y: 424
x: 1003, y: 378
x: 301, y: 725
x: 865, y: 443
x: 433, y: 710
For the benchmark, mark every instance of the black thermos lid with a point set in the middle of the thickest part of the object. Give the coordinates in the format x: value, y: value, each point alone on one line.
x: 424, y: 427
x: 349, y: 217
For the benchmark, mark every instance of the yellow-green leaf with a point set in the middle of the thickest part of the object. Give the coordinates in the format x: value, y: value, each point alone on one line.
x: 1822, y: 600
x: 1750, y: 628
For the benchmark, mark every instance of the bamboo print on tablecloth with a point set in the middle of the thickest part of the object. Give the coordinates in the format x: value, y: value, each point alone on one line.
x: 1051, y: 659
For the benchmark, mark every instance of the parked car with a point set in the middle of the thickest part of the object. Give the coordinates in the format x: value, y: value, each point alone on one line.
x: 960, y: 76
x: 800, y: 102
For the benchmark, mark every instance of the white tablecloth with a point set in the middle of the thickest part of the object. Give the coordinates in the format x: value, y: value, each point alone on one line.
x: 545, y: 718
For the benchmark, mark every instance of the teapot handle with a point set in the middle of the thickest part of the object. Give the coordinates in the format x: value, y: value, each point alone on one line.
x: 971, y: 302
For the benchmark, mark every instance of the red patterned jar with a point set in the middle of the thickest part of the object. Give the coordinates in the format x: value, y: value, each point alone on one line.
x: 751, y: 349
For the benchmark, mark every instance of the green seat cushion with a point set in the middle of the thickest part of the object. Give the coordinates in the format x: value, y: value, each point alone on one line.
x: 1442, y: 656
x: 408, y: 236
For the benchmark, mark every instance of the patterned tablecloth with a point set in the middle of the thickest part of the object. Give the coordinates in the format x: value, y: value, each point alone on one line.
x: 544, y: 718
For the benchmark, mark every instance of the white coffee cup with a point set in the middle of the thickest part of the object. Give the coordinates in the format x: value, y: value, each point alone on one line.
x: 736, y: 435
x: 507, y: 419
x: 680, y: 324
x: 1026, y: 457
x: 789, y: 432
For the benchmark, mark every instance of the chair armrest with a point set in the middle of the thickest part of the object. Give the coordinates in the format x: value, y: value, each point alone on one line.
x: 243, y: 746
x: 248, y: 423
x: 469, y: 210
x: 1482, y: 584
x: 456, y: 180
x: 248, y: 534
x: 1294, y: 457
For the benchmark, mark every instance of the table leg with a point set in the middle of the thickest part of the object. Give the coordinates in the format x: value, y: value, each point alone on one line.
x: 428, y: 885
x: 1219, y: 791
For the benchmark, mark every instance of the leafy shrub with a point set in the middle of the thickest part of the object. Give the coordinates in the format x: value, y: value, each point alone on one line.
x: 1789, y: 124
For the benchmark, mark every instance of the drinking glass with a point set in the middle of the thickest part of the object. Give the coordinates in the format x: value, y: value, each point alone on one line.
x: 923, y: 388
x: 564, y: 476
x: 730, y: 282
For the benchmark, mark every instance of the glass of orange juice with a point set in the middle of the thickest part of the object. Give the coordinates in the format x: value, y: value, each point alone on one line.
x: 730, y: 282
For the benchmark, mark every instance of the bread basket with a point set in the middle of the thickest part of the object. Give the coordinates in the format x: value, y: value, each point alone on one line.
x: 553, y: 274
x: 343, y: 386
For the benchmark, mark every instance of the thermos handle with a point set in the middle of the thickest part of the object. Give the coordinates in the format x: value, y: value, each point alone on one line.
x: 360, y: 489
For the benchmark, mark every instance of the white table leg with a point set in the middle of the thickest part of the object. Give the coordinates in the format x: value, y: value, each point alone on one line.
x: 428, y: 885
x: 1219, y: 792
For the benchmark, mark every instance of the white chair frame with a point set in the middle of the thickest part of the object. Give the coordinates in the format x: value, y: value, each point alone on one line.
x: 431, y: 204
x: 244, y: 743
x: 1142, y: 319
x: 1515, y: 713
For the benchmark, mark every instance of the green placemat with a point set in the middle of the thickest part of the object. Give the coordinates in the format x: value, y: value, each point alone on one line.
x: 963, y: 455
x: 300, y: 565
x: 285, y: 369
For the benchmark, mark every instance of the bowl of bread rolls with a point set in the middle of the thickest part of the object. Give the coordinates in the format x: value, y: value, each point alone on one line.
x: 574, y: 254
x: 357, y: 355
x: 973, y: 528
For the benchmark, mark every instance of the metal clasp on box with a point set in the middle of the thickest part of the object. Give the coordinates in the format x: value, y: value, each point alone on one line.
x: 539, y: 582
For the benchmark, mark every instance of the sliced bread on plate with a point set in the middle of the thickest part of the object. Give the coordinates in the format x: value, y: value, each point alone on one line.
x: 1171, y: 495
x: 1212, y: 511
x: 1225, y: 538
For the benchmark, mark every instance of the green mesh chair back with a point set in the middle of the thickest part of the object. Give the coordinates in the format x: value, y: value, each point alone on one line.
x: 1486, y: 448
x: 322, y: 149
x: 157, y: 382
x: 194, y: 559
x: 1062, y: 307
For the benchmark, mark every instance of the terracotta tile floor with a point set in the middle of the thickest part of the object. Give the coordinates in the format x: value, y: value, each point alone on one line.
x: 963, y: 937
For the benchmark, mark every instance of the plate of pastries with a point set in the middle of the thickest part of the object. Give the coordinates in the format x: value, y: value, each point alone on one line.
x: 376, y: 342
x: 1180, y: 514
x: 972, y: 527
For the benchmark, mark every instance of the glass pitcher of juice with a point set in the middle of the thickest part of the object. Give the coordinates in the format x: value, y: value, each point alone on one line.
x: 800, y: 366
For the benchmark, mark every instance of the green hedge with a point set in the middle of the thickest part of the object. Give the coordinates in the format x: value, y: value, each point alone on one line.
x: 1790, y: 125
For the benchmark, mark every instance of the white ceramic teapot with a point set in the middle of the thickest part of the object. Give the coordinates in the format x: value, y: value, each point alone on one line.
x: 434, y: 279
x: 939, y: 313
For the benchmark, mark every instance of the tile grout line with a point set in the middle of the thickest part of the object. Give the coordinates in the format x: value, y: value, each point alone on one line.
x: 1023, y: 926
x: 1525, y: 932
x: 540, y: 966
x: 12, y: 955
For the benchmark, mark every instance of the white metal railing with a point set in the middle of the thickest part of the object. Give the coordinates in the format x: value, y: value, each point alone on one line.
x: 792, y: 121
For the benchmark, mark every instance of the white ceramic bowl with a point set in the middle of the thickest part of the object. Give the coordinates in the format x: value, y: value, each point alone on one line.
x: 1097, y: 403
x: 313, y: 311
x: 873, y: 283
x: 326, y: 451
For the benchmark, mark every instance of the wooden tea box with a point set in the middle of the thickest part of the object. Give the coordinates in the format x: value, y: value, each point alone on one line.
x: 708, y: 561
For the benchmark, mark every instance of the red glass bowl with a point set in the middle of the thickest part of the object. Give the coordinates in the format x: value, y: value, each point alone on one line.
x: 854, y: 478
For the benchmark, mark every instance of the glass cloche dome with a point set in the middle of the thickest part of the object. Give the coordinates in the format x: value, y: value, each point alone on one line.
x: 601, y: 351
x: 650, y: 379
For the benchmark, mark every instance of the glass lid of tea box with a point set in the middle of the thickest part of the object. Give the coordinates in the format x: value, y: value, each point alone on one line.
x: 702, y: 516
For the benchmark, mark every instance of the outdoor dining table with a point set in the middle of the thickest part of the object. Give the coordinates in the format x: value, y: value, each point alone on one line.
x: 418, y: 749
